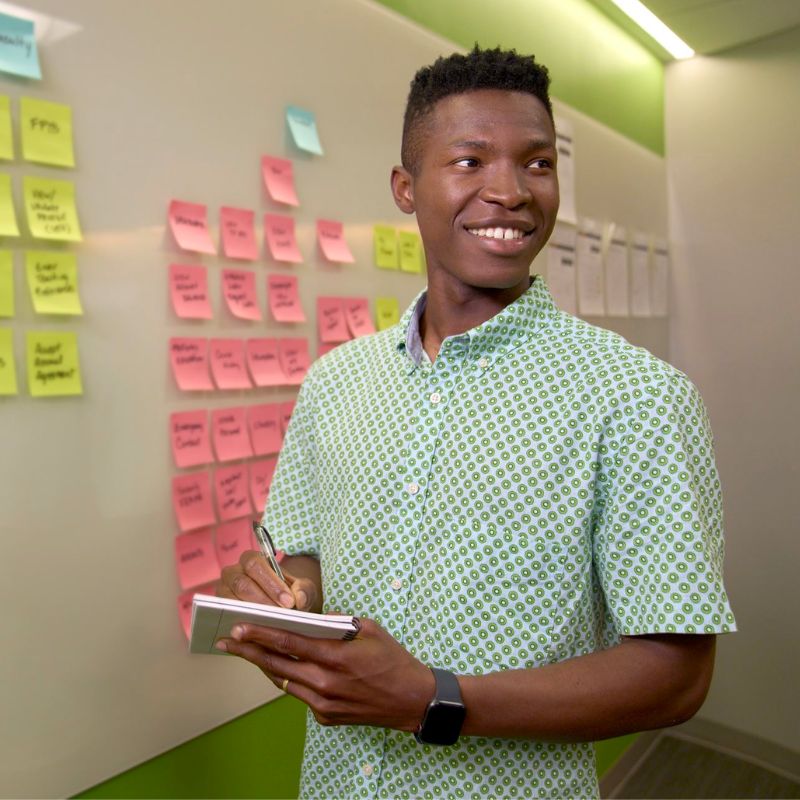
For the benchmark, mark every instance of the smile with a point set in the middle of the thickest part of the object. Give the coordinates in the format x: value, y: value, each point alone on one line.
x: 498, y: 233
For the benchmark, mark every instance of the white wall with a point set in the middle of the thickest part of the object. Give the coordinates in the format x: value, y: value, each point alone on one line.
x: 733, y: 167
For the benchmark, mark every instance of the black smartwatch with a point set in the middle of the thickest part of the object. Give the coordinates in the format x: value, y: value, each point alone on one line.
x: 445, y: 714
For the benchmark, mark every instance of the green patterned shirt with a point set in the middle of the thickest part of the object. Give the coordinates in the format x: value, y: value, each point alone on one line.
x: 540, y: 490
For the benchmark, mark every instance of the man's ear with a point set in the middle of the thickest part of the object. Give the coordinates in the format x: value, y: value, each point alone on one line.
x: 403, y: 189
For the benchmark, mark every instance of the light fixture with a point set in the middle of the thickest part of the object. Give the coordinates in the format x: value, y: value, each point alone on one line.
x: 654, y: 27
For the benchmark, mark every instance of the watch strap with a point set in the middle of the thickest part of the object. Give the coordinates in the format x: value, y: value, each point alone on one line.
x: 447, y: 688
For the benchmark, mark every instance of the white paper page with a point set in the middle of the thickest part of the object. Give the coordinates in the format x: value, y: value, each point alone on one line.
x: 617, y: 273
x: 565, y: 143
x: 659, y: 291
x: 640, y: 276
x: 561, y: 267
x: 590, y: 268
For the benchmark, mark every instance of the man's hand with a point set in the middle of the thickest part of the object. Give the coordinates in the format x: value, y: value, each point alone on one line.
x: 371, y: 680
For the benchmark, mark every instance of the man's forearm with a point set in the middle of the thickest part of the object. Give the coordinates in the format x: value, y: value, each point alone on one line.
x: 302, y: 566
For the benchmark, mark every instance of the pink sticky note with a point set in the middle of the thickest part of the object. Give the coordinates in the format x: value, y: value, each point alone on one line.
x: 265, y: 366
x: 227, y: 364
x: 189, y: 225
x: 278, y: 176
x: 189, y: 436
x: 238, y: 233
x: 239, y: 289
x: 266, y: 433
x: 230, y: 485
x: 284, y: 300
x: 295, y: 359
x: 356, y: 312
x: 331, y: 322
x: 286, y: 413
x: 191, y: 499
x: 185, y: 605
x: 188, y: 288
x: 233, y: 538
x: 229, y: 432
x: 189, y: 359
x: 261, y: 473
x: 281, y: 239
x: 326, y: 347
x: 196, y: 558
x: 330, y: 235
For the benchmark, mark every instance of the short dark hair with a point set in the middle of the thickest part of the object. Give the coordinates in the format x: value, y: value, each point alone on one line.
x: 457, y: 74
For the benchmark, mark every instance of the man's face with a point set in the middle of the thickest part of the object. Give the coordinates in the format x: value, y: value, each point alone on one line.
x: 484, y: 190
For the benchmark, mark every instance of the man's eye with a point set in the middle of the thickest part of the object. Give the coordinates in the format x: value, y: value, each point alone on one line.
x: 541, y: 163
x: 467, y: 162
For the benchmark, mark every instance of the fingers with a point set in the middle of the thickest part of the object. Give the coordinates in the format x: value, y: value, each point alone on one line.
x: 252, y: 579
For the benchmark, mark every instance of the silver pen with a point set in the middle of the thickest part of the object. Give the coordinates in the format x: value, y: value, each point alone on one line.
x: 267, y: 548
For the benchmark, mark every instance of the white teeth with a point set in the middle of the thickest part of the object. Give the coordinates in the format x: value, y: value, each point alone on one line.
x: 497, y: 233
x: 509, y: 234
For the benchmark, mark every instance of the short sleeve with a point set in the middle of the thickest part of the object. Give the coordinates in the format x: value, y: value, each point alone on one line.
x: 291, y: 513
x: 657, y: 537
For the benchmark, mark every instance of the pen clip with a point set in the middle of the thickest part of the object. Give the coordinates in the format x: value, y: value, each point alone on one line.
x: 268, y: 548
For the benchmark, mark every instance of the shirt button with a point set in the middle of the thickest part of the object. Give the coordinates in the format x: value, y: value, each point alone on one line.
x: 367, y: 769
x: 436, y: 398
x: 412, y: 488
x: 483, y: 363
x: 396, y: 584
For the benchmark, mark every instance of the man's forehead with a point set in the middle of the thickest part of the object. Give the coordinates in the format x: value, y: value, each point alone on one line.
x: 487, y: 109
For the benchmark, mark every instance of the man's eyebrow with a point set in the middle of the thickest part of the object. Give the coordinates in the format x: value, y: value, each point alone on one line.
x: 482, y: 144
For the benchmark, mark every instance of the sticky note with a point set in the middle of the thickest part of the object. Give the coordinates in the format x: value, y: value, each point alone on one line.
x: 294, y: 358
x: 238, y: 233
x: 412, y: 255
x: 232, y: 539
x: 46, y: 130
x: 261, y: 473
x: 185, y: 605
x: 303, y: 126
x: 284, y: 300
x: 239, y: 290
x: 53, y: 282
x: 6, y: 283
x: 189, y: 437
x: 281, y: 240
x: 326, y: 347
x: 18, y: 53
x: 384, y: 238
x: 278, y: 174
x: 8, y: 217
x: 230, y: 434
x: 8, y: 369
x: 6, y: 136
x: 330, y: 235
x: 263, y: 362
x: 54, y: 368
x: 189, y: 359
x: 228, y: 364
x: 356, y: 312
x: 331, y: 322
x: 191, y: 500
x: 188, y: 289
x: 387, y: 312
x: 232, y: 492
x: 286, y: 413
x: 50, y: 209
x: 266, y: 433
x: 189, y: 225
x: 196, y: 558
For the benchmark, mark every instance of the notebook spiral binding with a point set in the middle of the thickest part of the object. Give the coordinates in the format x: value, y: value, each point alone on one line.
x: 356, y: 630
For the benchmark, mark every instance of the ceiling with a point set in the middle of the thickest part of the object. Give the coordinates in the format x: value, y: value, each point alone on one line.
x: 710, y: 26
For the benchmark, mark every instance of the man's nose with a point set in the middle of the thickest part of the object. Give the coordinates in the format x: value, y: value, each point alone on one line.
x: 506, y: 184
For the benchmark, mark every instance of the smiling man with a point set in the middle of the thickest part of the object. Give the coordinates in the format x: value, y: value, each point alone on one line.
x: 522, y: 509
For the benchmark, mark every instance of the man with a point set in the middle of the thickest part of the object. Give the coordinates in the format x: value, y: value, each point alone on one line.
x: 501, y: 492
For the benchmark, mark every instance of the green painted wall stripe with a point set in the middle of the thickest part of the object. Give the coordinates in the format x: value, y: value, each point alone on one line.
x: 596, y: 67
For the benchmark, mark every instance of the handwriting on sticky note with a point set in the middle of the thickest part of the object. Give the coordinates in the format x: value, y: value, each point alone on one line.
x: 264, y: 363
x: 287, y: 409
x: 189, y: 359
x: 8, y: 369
x: 356, y: 312
x: 385, y: 246
x: 280, y: 235
x: 189, y: 437
x: 6, y: 136
x: 331, y: 322
x: 189, y: 225
x: 50, y: 209
x: 8, y: 217
x: 232, y: 539
x: 284, y: 299
x: 387, y: 312
x: 196, y: 558
x: 303, y: 126
x: 7, y: 304
x: 232, y: 492
x: 188, y: 289
x: 239, y: 289
x: 238, y: 233
x: 266, y: 433
x: 54, y: 368
x: 261, y: 473
x: 230, y: 434
x: 278, y: 174
x: 53, y: 282
x: 228, y: 364
x: 412, y: 255
x: 46, y: 130
x: 330, y: 236
x: 18, y: 53
x: 295, y: 359
x: 191, y: 501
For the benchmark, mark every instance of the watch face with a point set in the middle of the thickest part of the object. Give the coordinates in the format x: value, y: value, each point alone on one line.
x: 442, y: 723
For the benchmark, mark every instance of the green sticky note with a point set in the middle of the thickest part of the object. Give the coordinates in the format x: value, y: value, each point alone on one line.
x: 6, y: 137
x: 50, y: 208
x: 8, y: 217
x: 8, y: 370
x: 18, y: 53
x: 303, y: 126
x: 412, y: 256
x: 6, y: 283
x: 387, y: 312
x: 385, y: 240
x: 53, y: 282
x: 46, y: 132
x: 53, y: 366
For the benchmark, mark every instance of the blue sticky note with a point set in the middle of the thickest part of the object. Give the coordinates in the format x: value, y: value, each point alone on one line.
x: 303, y: 126
x: 18, y: 53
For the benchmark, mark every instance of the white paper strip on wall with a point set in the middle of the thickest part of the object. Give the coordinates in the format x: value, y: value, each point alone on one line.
x: 640, y: 276
x: 616, y: 263
x: 561, y: 267
x: 565, y: 144
x: 659, y: 291
x: 590, y: 268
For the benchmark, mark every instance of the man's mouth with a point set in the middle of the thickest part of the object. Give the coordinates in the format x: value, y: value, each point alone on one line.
x: 498, y: 233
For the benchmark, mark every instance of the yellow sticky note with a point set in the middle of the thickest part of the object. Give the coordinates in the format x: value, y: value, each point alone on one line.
x: 50, y: 208
x: 6, y: 137
x: 387, y: 312
x: 53, y: 366
x: 8, y: 370
x: 385, y: 239
x: 8, y: 217
x: 6, y: 283
x: 412, y: 256
x: 46, y: 132
x: 53, y: 282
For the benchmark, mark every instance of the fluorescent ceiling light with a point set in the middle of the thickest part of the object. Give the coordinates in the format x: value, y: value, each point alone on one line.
x: 653, y: 26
